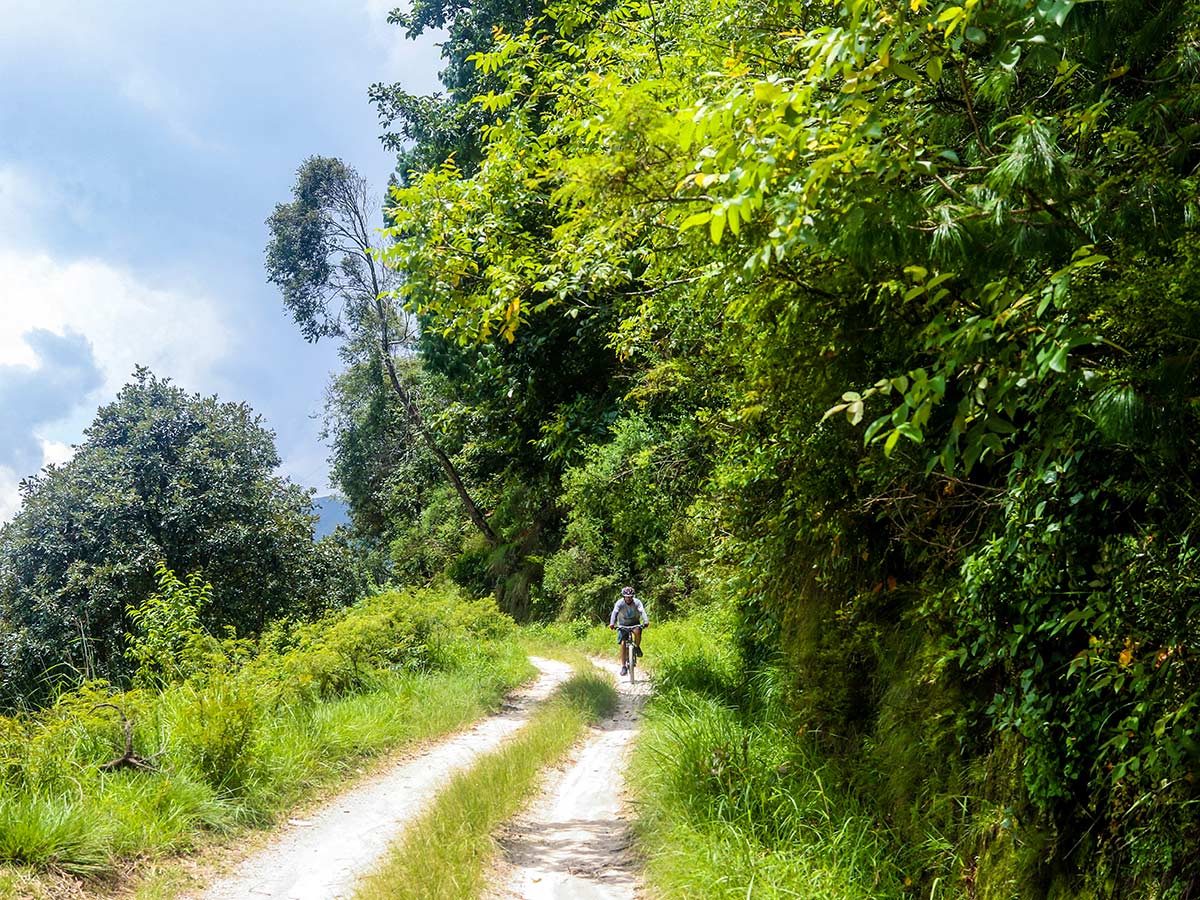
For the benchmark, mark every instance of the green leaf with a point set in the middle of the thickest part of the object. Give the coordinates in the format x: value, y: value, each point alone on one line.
x: 1058, y: 360
x: 1056, y: 11
x: 1009, y: 57
x: 890, y: 444
x: 700, y: 218
x: 716, y: 225
x: 908, y: 73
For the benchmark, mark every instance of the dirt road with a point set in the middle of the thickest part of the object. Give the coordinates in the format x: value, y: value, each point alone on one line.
x: 320, y: 857
x: 575, y: 841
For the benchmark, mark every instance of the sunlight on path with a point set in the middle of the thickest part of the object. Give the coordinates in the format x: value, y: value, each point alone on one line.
x: 575, y: 842
x: 320, y: 858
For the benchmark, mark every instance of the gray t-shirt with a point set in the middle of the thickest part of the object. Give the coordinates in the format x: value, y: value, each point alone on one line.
x: 628, y: 613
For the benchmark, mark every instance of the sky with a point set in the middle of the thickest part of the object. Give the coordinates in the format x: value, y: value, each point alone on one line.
x: 142, y: 146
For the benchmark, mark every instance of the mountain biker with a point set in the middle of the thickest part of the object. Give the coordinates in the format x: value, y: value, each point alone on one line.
x: 629, y: 612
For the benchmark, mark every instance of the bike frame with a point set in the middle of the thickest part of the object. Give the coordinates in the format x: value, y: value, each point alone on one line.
x: 625, y: 633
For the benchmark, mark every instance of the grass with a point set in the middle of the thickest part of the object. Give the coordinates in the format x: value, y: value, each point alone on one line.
x: 444, y: 854
x: 238, y: 744
x: 733, y: 803
x: 732, y: 809
x: 86, y: 831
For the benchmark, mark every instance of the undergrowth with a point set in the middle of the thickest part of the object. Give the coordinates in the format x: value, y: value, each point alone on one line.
x: 734, y: 801
x: 232, y: 732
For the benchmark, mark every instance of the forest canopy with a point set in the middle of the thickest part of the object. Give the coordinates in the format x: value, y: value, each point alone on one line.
x: 876, y: 318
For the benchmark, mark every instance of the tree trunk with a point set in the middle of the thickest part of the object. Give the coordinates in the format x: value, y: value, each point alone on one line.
x: 414, y: 414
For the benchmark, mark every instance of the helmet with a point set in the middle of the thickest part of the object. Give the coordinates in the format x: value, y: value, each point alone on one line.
x: 626, y: 592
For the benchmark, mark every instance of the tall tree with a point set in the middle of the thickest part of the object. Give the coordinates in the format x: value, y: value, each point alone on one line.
x: 160, y: 476
x: 965, y: 232
x: 323, y: 258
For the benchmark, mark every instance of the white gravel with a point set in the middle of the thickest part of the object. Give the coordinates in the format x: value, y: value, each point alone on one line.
x: 575, y: 841
x: 321, y: 856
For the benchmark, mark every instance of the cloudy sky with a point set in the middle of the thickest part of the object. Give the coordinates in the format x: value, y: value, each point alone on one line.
x: 142, y: 146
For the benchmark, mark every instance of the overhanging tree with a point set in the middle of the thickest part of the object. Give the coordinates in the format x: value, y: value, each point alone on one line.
x: 323, y: 258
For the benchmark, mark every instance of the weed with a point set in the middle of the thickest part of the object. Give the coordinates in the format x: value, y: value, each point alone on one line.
x: 244, y: 730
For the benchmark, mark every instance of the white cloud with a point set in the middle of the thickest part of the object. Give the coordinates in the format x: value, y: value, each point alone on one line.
x: 24, y: 204
x: 167, y: 104
x: 128, y: 322
x: 54, y: 453
x: 413, y: 63
x: 10, y: 498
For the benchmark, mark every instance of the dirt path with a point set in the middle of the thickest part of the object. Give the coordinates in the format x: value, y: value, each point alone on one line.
x: 574, y: 842
x: 320, y: 857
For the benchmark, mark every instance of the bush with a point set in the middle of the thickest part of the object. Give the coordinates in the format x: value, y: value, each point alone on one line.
x: 245, y: 727
x: 80, y: 550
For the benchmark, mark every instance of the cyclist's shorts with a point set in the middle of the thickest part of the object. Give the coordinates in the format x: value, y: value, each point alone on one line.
x: 628, y: 628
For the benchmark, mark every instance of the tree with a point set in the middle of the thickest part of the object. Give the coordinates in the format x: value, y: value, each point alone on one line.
x: 161, y: 476
x: 322, y: 257
x: 962, y: 231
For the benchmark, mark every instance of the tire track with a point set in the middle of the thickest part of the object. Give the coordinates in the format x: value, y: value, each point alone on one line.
x: 322, y: 856
x: 575, y: 842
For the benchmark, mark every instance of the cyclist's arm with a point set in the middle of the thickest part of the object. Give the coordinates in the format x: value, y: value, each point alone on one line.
x: 641, y: 611
x: 612, y: 617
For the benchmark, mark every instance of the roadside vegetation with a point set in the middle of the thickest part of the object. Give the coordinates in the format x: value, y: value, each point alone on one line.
x: 874, y: 320
x: 445, y: 854
x: 734, y: 799
x: 221, y: 733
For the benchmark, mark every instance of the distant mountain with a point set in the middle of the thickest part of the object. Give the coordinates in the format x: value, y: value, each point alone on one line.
x: 331, y: 513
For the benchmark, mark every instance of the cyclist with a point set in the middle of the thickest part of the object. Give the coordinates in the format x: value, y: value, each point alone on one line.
x: 629, y: 612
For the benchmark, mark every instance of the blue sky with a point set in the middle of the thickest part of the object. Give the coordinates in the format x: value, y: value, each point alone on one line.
x: 142, y: 146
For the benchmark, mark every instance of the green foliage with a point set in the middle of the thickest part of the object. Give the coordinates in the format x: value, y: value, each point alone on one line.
x: 734, y: 805
x: 245, y: 728
x: 52, y: 832
x: 166, y: 624
x: 906, y: 291
x: 160, y: 476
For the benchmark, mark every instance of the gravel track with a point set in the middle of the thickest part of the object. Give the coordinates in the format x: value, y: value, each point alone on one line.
x: 575, y: 841
x: 321, y: 857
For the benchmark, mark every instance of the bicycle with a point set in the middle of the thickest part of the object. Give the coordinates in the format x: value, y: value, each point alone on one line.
x: 628, y: 648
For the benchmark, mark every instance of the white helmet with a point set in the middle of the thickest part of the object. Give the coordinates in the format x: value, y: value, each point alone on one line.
x: 626, y: 592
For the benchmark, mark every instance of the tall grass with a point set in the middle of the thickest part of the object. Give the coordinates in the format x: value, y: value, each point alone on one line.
x: 248, y: 734
x: 732, y: 809
x: 444, y: 854
x: 733, y: 801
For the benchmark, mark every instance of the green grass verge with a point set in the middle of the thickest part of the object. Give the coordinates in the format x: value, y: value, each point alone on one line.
x: 244, y: 738
x: 444, y: 854
x: 733, y: 802
x: 732, y: 809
